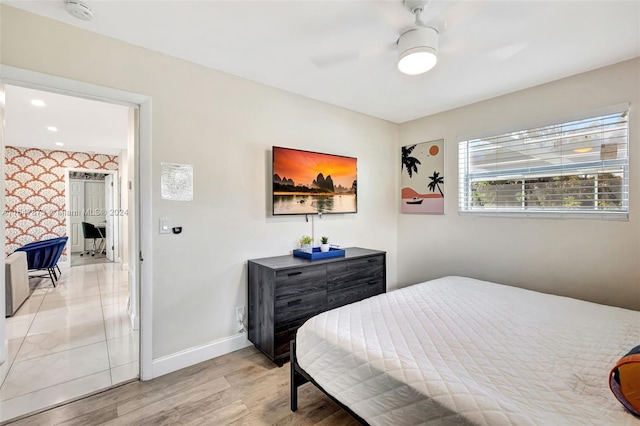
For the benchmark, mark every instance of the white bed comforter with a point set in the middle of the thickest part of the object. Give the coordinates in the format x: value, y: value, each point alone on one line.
x: 462, y: 351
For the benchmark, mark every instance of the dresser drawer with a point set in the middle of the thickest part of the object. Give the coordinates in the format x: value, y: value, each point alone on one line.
x: 291, y: 283
x: 343, y: 295
x: 299, y: 307
x: 355, y: 272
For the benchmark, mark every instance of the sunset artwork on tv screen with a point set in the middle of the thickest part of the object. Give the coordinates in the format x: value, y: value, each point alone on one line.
x: 310, y: 182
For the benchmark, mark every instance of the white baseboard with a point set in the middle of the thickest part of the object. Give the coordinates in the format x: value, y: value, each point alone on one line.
x: 180, y: 360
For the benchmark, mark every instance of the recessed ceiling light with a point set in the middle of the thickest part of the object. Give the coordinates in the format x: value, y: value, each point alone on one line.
x: 52, y: 129
x: 38, y: 103
x: 582, y: 150
x: 59, y: 143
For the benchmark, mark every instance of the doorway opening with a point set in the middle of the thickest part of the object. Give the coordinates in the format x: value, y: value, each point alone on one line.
x: 95, y: 216
x: 116, y: 285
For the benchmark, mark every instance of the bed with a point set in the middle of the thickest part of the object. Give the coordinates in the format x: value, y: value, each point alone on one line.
x: 462, y: 351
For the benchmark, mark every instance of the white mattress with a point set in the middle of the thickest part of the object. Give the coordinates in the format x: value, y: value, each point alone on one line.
x: 461, y: 351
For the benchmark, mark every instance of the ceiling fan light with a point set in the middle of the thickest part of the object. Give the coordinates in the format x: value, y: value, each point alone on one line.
x: 417, y: 50
x: 417, y: 61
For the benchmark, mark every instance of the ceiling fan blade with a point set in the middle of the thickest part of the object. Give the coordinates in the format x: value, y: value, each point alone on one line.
x: 334, y: 59
x: 443, y: 15
x: 363, y: 29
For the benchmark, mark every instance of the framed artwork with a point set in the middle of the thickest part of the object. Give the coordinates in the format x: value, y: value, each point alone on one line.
x: 176, y: 182
x: 422, y: 179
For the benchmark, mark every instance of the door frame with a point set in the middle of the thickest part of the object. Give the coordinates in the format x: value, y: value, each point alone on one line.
x: 67, y: 200
x: 113, y: 209
x: 141, y: 182
x: 4, y: 343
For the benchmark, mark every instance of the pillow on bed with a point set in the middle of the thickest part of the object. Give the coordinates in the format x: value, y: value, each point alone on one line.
x: 624, y: 381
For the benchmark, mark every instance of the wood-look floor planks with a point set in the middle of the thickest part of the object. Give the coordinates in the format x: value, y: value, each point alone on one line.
x: 241, y: 389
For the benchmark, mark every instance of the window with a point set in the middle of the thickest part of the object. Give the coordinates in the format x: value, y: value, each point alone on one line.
x: 574, y: 169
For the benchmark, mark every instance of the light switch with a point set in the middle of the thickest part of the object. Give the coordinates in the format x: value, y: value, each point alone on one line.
x: 165, y: 225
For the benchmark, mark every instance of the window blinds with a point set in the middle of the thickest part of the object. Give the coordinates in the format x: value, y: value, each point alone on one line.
x: 577, y: 167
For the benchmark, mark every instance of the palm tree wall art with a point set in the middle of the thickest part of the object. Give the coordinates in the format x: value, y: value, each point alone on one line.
x: 411, y: 163
x: 422, y: 177
x: 436, y: 180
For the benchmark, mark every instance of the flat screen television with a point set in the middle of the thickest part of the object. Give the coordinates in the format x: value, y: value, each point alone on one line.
x: 307, y: 182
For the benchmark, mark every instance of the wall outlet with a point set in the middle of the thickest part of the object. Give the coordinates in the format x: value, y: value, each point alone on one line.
x: 240, y: 313
x: 240, y: 318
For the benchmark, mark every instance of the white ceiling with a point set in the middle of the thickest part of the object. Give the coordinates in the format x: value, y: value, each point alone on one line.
x: 83, y: 125
x: 342, y: 52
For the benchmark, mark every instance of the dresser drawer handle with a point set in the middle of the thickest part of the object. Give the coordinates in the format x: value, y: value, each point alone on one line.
x: 291, y: 274
x: 294, y: 302
x: 372, y: 260
x: 373, y: 282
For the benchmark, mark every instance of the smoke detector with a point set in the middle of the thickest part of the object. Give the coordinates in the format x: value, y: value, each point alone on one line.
x: 78, y: 9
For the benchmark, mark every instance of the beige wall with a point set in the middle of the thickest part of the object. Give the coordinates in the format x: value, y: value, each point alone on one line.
x: 225, y: 127
x: 587, y: 259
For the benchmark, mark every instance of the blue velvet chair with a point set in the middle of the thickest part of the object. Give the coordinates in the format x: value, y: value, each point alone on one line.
x: 44, y: 256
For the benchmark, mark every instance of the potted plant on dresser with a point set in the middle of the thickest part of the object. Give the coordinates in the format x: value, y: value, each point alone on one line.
x: 324, y: 247
x: 306, y: 244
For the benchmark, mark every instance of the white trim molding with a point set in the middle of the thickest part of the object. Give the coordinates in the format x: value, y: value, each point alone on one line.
x: 196, y: 355
x: 133, y: 317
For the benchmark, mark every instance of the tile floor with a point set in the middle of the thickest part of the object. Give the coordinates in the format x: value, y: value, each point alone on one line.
x: 77, y: 260
x: 69, y: 341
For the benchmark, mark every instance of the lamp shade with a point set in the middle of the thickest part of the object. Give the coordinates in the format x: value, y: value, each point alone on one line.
x: 417, y: 50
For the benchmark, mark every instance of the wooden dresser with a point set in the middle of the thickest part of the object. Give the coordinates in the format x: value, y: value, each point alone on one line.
x: 285, y: 291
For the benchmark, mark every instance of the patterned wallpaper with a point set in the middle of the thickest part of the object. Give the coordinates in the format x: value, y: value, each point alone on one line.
x: 35, y: 198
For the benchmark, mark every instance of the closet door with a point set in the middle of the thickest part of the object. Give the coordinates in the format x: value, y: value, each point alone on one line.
x: 94, y: 206
x: 76, y: 208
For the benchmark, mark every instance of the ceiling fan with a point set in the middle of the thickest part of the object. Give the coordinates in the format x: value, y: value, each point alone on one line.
x: 418, y: 46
